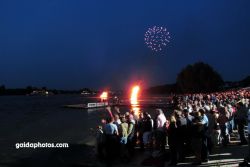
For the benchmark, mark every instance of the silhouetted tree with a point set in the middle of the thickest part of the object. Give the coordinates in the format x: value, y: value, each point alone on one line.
x: 29, y: 89
x: 162, y: 89
x: 245, y: 82
x: 199, y: 77
x: 2, y: 89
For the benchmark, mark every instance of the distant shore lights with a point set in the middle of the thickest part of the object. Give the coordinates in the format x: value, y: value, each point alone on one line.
x: 104, y: 96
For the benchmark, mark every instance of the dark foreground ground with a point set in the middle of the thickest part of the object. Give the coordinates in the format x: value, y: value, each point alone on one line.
x: 79, y: 155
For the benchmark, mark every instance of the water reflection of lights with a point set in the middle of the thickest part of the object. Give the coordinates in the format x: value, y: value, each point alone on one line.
x: 136, y: 110
x: 134, y: 100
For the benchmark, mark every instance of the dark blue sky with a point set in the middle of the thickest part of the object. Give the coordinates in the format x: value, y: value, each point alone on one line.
x: 97, y: 43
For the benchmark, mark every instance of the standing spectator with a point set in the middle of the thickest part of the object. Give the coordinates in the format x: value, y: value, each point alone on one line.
x: 160, y: 135
x: 117, y: 120
x: 111, y: 135
x: 172, y: 135
x: 181, y: 123
x: 204, y: 146
x: 216, y: 131
x: 148, y: 127
x: 189, y: 118
x: 197, y: 128
x: 131, y: 134
x: 223, y: 120
x: 241, y: 117
x: 247, y: 159
x: 210, y: 129
x: 123, y: 131
x: 140, y: 129
x: 100, y: 142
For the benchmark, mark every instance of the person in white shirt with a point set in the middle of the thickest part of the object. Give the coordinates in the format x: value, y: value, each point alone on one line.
x: 160, y: 135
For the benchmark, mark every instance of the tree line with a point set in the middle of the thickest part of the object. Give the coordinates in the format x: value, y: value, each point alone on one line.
x: 198, y: 77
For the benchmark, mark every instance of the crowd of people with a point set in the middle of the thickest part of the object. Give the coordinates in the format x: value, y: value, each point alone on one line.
x: 196, y: 123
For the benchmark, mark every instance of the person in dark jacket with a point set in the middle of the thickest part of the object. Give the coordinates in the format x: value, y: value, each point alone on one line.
x: 172, y: 135
x: 181, y: 123
x: 241, y: 119
x: 197, y: 130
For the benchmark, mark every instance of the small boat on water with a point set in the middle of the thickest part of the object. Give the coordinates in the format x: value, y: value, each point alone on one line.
x: 99, y: 102
x: 40, y: 93
x: 95, y: 105
x: 88, y: 105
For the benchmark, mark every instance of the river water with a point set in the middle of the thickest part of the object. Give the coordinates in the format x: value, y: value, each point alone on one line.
x: 43, y: 119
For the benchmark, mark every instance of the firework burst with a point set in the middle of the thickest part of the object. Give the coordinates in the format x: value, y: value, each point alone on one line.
x: 157, y: 38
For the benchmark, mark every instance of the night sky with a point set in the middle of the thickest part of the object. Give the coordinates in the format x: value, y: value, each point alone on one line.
x: 100, y: 43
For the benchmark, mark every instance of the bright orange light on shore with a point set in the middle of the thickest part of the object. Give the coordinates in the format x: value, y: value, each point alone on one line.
x: 134, y: 100
x: 134, y: 95
x: 104, y: 96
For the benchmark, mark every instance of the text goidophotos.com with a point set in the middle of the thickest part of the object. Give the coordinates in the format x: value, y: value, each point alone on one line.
x: 41, y: 145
